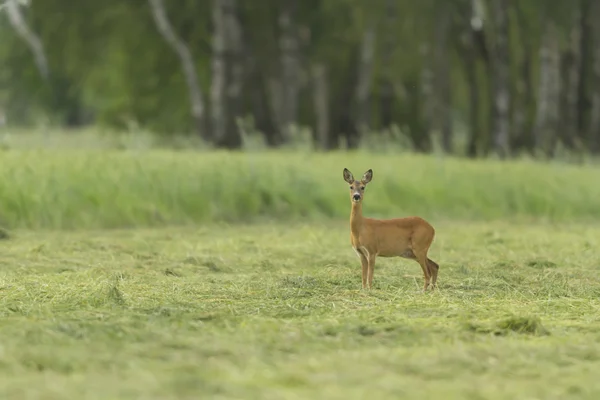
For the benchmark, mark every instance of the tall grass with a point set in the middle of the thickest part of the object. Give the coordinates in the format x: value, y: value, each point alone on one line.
x: 95, y: 189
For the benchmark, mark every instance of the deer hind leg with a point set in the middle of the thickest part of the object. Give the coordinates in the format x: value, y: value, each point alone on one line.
x: 420, y: 243
x: 422, y: 260
x: 427, y: 271
x: 433, y: 270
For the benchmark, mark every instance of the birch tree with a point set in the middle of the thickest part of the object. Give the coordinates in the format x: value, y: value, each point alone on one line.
x: 548, y: 103
x: 13, y: 10
x: 166, y: 30
x: 227, y: 74
x: 500, y: 79
x: 571, y: 69
x: 365, y: 78
x: 442, y: 74
x: 290, y: 67
x: 594, y: 127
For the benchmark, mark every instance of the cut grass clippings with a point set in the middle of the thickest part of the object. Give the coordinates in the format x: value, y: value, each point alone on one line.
x: 275, y: 311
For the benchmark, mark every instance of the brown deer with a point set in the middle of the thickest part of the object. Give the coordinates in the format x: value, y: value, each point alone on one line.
x: 408, y: 237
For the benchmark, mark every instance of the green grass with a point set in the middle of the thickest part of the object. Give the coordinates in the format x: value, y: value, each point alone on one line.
x: 195, y: 294
x: 114, y: 189
x: 275, y: 311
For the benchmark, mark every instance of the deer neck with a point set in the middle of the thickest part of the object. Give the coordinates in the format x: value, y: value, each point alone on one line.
x: 356, y: 218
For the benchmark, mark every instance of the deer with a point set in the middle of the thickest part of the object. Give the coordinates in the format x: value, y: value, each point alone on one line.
x: 408, y: 237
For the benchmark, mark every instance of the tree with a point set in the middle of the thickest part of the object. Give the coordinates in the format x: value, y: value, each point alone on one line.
x: 524, y: 97
x: 365, y: 78
x: 570, y: 79
x: 33, y: 41
x: 594, y: 128
x: 510, y: 75
x: 227, y: 74
x: 187, y: 63
x: 501, y: 79
x: 473, y: 51
x: 548, y: 104
x: 288, y: 42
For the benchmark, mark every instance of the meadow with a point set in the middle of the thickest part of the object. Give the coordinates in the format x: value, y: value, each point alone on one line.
x: 168, y: 274
x: 87, y: 189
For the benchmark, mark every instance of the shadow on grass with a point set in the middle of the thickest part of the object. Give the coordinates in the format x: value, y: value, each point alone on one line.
x: 522, y: 325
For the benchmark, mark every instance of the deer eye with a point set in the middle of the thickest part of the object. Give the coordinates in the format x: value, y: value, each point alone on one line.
x: 362, y: 188
x: 350, y: 187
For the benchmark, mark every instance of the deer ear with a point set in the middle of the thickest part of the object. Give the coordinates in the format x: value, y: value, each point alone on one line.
x: 348, y: 177
x: 367, y: 176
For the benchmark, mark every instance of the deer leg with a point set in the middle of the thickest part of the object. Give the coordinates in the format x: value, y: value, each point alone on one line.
x: 422, y: 260
x: 433, y: 270
x: 427, y: 271
x: 371, y: 270
x: 365, y: 268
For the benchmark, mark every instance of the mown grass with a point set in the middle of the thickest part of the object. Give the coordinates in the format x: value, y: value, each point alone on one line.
x: 275, y: 311
x: 115, y: 189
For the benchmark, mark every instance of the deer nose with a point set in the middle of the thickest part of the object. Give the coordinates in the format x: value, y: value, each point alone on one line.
x: 356, y: 196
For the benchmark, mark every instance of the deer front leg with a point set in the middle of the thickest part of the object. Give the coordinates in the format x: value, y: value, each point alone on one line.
x: 365, y: 268
x: 371, y: 264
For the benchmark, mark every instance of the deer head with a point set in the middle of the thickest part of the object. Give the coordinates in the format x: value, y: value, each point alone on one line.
x: 357, y: 188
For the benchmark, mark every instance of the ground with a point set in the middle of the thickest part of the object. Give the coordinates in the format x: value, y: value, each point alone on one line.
x: 276, y: 311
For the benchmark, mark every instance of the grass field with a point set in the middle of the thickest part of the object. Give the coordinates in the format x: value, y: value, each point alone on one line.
x: 75, y: 189
x: 162, y: 274
x: 275, y: 311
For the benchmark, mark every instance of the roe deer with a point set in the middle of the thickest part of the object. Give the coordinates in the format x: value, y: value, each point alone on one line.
x: 408, y: 237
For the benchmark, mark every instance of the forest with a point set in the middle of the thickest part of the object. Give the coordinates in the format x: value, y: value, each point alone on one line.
x: 470, y: 77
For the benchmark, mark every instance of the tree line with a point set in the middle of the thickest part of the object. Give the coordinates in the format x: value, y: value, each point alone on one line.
x: 478, y: 76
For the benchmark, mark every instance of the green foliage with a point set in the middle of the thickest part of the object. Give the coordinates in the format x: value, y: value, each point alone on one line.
x: 87, y: 188
x: 276, y: 311
x: 109, y: 64
x: 110, y: 57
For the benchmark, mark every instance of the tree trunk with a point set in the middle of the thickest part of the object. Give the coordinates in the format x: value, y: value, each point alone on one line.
x: 187, y: 63
x: 485, y: 74
x: 387, y: 95
x: 470, y: 68
x: 321, y: 104
x: 235, y: 78
x: 501, y: 80
x: 427, y: 101
x: 442, y: 68
x: 524, y: 99
x: 344, y: 105
x: 290, y: 66
x: 258, y: 71
x: 548, y: 104
x: 261, y: 110
x: 585, y: 67
x: 365, y: 77
x: 570, y: 84
x: 218, y: 82
x: 33, y: 41
x: 594, y: 127
x: 472, y: 47
x: 227, y: 74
